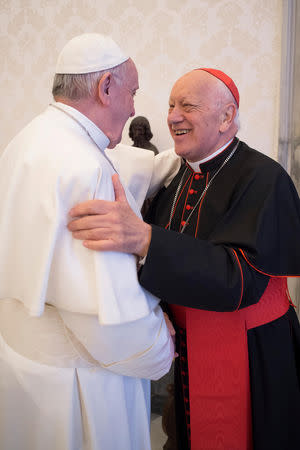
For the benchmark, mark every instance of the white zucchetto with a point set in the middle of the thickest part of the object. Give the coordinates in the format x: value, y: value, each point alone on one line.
x: 89, y: 52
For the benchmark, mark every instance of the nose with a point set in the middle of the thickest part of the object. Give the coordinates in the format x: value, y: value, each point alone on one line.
x: 174, y: 115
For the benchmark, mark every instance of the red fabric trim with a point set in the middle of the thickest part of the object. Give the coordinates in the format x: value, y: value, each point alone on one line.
x: 219, y: 384
x: 273, y: 304
x: 289, y: 297
x: 191, y: 169
x: 178, y: 199
x: 242, y: 278
x: 179, y: 314
x: 186, y: 197
x: 184, y: 379
x: 226, y: 80
x: 194, y: 171
x: 201, y: 205
x: 264, y: 273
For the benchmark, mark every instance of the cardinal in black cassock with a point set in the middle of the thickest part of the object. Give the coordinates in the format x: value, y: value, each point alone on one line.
x: 220, y: 242
x: 225, y: 236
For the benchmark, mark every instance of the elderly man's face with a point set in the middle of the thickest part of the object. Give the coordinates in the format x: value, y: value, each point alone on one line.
x: 123, y: 104
x: 193, y: 118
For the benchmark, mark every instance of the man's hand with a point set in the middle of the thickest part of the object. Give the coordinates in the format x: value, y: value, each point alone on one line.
x: 110, y: 226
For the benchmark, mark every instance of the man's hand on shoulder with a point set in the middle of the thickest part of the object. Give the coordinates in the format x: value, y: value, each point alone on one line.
x: 110, y: 226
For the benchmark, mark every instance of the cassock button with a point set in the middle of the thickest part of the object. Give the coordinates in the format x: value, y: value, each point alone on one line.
x: 191, y: 191
x: 183, y: 223
x: 188, y: 207
x: 197, y: 177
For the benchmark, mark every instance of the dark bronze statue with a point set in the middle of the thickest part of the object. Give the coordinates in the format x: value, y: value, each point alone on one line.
x: 140, y: 133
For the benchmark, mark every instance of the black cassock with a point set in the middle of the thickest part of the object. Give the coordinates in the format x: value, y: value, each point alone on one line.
x: 245, y: 229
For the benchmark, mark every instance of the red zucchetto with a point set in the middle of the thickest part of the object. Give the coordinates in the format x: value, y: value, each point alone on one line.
x: 226, y: 80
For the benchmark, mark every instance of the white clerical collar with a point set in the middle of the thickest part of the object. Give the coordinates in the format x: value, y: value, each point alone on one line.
x: 100, y: 139
x: 195, y: 165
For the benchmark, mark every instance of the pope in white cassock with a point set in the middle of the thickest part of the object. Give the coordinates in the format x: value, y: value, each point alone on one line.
x: 79, y: 338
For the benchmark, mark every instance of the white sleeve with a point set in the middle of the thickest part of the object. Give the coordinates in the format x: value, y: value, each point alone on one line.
x: 142, y: 172
x: 135, y: 167
x: 166, y: 166
x: 142, y: 348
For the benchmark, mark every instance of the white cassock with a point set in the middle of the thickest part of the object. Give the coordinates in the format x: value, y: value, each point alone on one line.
x: 79, y: 337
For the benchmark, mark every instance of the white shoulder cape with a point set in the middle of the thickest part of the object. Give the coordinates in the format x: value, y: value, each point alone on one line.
x: 51, y: 165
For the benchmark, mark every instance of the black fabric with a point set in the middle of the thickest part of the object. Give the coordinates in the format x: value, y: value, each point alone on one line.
x: 175, y: 272
x: 251, y: 205
x: 249, y: 198
x: 181, y: 394
x: 275, y: 383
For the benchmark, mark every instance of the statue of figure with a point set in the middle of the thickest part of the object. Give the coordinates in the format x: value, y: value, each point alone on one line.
x: 140, y: 133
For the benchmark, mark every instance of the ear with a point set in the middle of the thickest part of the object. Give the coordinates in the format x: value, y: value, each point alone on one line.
x: 227, y: 117
x: 104, y: 86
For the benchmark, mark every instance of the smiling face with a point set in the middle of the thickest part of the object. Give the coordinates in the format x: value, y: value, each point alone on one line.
x: 195, y: 116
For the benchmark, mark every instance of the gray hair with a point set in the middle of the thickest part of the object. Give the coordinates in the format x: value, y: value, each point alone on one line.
x: 79, y: 86
x: 236, y: 119
x: 224, y: 96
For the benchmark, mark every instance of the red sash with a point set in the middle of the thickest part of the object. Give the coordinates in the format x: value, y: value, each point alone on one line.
x: 219, y: 384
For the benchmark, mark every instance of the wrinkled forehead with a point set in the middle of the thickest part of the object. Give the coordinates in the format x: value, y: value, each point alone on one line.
x: 191, y: 86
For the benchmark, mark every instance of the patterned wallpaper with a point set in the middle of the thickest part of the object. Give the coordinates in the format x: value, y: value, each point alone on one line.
x: 165, y: 38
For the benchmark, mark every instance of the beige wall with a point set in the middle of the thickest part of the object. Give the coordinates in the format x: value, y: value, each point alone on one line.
x: 165, y: 38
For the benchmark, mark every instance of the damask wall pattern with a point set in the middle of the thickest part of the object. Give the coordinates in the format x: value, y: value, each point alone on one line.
x: 164, y: 37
